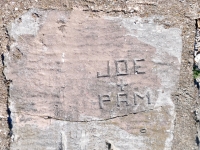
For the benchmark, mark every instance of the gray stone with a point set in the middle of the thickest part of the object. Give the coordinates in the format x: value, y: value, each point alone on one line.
x: 80, y: 81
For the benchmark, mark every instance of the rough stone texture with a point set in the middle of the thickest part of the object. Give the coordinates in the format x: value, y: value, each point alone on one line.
x: 91, y: 80
x: 179, y: 14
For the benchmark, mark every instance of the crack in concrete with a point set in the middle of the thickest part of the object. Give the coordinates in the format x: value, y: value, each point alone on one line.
x: 98, y: 120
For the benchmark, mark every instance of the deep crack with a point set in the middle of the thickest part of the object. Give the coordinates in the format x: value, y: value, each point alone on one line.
x: 99, y: 120
x: 7, y: 84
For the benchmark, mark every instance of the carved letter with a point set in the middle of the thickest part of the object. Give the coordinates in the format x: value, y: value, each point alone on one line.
x: 137, y: 67
x: 103, y: 98
x: 108, y: 71
x: 122, y: 100
x: 121, y: 71
x: 142, y: 96
x: 122, y: 85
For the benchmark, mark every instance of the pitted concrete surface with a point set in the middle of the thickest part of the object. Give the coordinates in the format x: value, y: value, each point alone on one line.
x: 86, y: 82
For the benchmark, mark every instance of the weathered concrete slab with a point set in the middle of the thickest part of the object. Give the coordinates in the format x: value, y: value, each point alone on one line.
x: 86, y: 82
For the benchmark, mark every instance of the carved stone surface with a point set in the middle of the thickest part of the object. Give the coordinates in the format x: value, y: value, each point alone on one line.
x: 91, y: 82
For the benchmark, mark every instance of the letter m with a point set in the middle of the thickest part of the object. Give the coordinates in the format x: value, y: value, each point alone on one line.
x: 145, y: 95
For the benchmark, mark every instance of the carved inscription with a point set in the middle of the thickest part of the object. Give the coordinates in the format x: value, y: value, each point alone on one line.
x: 136, y: 67
x: 122, y: 69
x: 122, y: 97
x: 103, y: 98
x: 122, y: 85
x: 107, y: 74
x: 137, y: 95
